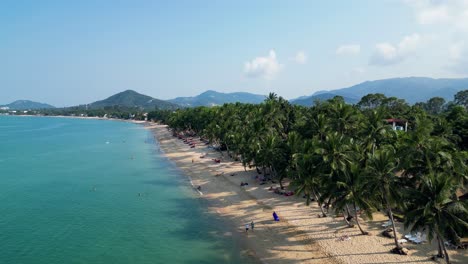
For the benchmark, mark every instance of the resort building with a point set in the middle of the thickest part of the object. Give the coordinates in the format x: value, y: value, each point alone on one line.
x: 398, y: 124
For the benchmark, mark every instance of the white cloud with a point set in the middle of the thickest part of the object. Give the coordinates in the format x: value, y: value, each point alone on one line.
x: 358, y: 70
x: 433, y: 15
x: 387, y: 54
x: 452, y: 13
x: 456, y: 50
x: 450, y: 16
x: 263, y: 67
x: 409, y: 44
x: 351, y: 49
x: 458, y: 58
x: 300, y: 57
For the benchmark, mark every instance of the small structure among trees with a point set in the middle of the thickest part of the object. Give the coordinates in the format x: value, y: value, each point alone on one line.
x: 398, y: 124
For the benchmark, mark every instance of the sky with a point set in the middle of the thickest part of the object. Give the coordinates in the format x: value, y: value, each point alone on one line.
x: 75, y: 52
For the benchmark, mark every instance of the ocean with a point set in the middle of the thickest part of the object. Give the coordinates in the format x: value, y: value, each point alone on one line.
x: 97, y: 191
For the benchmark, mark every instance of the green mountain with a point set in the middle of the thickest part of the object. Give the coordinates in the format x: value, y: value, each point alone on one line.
x: 130, y: 98
x: 412, y: 89
x: 212, y: 98
x: 310, y: 100
x: 27, y: 105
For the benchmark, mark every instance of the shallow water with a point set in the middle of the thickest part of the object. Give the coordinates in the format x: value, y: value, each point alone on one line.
x: 93, y: 191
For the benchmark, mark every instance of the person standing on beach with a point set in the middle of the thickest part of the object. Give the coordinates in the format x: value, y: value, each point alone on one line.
x: 275, y: 216
x: 252, y: 225
x: 246, y: 228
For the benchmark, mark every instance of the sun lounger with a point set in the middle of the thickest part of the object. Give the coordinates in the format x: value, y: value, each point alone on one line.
x: 387, y: 224
x: 420, y: 240
x: 401, y: 241
x: 412, y: 236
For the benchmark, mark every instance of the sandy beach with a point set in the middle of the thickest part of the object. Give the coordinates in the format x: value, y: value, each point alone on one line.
x: 301, y: 236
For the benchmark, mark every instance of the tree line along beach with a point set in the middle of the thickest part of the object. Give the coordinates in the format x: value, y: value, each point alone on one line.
x: 329, y: 232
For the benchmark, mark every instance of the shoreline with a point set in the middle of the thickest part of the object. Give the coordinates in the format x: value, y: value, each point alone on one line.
x: 271, y: 242
x: 300, y: 236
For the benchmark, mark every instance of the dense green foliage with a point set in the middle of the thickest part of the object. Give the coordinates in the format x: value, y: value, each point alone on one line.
x: 348, y: 157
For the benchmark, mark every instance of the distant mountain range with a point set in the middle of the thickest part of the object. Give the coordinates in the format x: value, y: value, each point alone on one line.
x: 26, y: 105
x: 212, y: 98
x: 412, y: 89
x: 130, y: 98
x: 310, y: 100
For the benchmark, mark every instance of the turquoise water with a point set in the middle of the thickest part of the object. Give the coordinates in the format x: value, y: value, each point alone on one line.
x: 92, y: 191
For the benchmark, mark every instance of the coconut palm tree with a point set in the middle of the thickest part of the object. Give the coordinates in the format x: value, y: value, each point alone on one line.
x: 306, y: 175
x: 434, y: 209
x: 381, y: 168
x: 335, y: 156
x: 352, y: 189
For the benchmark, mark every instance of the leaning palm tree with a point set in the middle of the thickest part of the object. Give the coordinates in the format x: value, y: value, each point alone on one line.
x: 382, y: 167
x: 432, y: 207
x: 335, y: 155
x: 352, y: 189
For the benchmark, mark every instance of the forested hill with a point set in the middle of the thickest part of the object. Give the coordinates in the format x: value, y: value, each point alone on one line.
x: 212, y: 98
x: 411, y: 89
x: 27, y: 105
x: 130, y: 98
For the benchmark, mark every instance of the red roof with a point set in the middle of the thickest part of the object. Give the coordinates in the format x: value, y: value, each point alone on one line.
x: 396, y: 120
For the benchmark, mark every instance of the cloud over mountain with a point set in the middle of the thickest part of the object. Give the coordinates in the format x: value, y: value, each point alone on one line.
x: 387, y: 54
x: 263, y: 67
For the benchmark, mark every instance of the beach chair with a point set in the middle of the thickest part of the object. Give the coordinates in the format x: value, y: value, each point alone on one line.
x: 412, y: 236
x: 407, y: 236
x: 449, y: 244
x: 401, y: 241
x: 420, y: 240
x: 387, y: 224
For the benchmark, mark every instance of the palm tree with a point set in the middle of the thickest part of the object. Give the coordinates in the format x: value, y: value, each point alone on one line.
x: 433, y: 208
x: 306, y: 174
x: 382, y: 167
x: 353, y: 190
x: 375, y: 131
x: 335, y: 156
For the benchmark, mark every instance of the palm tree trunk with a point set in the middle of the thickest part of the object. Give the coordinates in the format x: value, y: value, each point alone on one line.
x: 346, y: 219
x: 349, y: 217
x: 440, y: 254
x: 280, y: 179
x: 328, y: 204
x: 447, y: 259
x: 320, y: 205
x: 441, y: 241
x: 357, y: 220
x: 390, y: 214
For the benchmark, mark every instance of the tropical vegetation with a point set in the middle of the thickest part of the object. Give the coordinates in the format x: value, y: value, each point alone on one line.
x: 349, y: 159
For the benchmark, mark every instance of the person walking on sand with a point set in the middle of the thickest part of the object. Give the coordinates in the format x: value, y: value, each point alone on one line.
x: 252, y: 225
x: 246, y: 228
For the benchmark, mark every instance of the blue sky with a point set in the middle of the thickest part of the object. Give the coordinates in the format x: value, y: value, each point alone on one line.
x: 74, y: 52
